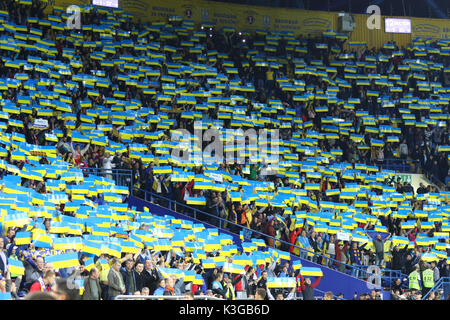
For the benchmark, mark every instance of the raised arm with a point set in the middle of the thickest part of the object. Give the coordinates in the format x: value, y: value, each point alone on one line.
x: 316, y: 283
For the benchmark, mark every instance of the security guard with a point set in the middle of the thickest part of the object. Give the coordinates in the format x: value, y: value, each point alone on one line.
x: 428, y: 280
x: 414, y: 278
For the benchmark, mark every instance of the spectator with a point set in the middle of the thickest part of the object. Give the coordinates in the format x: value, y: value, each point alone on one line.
x: 356, y: 257
x: 379, y: 249
x: 64, y: 291
x: 161, y: 287
x: 328, y: 296
x: 341, y: 255
x: 92, y: 289
x: 260, y: 294
x: 307, y: 288
x: 116, y: 284
x: 39, y: 295
x: 188, y: 296
x: 129, y: 277
x: 44, y: 284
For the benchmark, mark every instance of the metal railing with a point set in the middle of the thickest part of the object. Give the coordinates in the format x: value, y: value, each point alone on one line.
x: 443, y: 284
x: 435, y: 180
x: 122, y: 177
x: 387, y: 275
x: 398, y: 165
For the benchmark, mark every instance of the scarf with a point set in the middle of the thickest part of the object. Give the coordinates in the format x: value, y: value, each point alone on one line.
x: 171, y: 290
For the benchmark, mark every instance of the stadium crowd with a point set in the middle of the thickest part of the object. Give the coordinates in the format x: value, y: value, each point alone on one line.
x: 116, y: 108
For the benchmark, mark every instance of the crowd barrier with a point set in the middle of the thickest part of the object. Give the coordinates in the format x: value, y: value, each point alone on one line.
x: 442, y: 285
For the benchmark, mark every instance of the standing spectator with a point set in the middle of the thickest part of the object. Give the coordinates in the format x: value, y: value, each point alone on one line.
x: 92, y: 289
x: 356, y: 257
x: 262, y: 283
x: 44, y: 284
x: 150, y: 275
x: 341, y: 255
x: 378, y: 243
x: 3, y: 257
x: 305, y: 244
x: 436, y: 272
x: 173, y: 286
x: 108, y: 165
x: 139, y: 276
x: 398, y: 258
x: 104, y: 282
x: 129, y: 278
x: 116, y: 285
x: 160, y: 287
x: 217, y: 286
x: 307, y: 288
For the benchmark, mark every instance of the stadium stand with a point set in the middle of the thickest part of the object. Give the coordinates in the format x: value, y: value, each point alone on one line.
x: 97, y: 117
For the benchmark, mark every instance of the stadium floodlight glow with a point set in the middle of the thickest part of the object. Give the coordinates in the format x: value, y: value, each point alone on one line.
x: 394, y: 25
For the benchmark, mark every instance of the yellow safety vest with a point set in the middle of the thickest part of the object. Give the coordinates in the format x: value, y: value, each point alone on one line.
x: 428, y: 278
x: 414, y: 280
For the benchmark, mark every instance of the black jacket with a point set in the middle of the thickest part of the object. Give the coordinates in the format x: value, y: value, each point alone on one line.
x: 399, y: 258
x: 140, y: 280
x: 150, y: 279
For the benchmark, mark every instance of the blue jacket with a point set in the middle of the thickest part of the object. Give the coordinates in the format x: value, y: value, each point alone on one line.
x: 159, y: 291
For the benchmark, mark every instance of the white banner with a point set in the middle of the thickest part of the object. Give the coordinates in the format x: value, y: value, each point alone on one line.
x: 344, y: 236
x: 216, y: 177
x: 40, y: 123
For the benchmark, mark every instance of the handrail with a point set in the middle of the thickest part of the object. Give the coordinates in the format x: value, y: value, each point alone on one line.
x: 437, y: 286
x: 116, y: 173
x: 170, y: 201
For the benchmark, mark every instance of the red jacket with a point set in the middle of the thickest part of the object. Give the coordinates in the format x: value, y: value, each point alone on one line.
x: 293, y: 239
x: 37, y: 287
x: 339, y: 252
x: 188, y: 187
x: 302, y: 285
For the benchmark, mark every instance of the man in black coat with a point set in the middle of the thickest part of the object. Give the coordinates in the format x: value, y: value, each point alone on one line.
x: 399, y: 257
x: 150, y: 276
x: 139, y: 276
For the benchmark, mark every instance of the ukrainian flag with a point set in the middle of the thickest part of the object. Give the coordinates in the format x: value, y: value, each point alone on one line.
x: 23, y: 237
x: 16, y: 266
x: 92, y: 247
x: 281, y: 282
x: 312, y: 272
x: 196, y: 201
x: 297, y: 264
x: 65, y: 260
